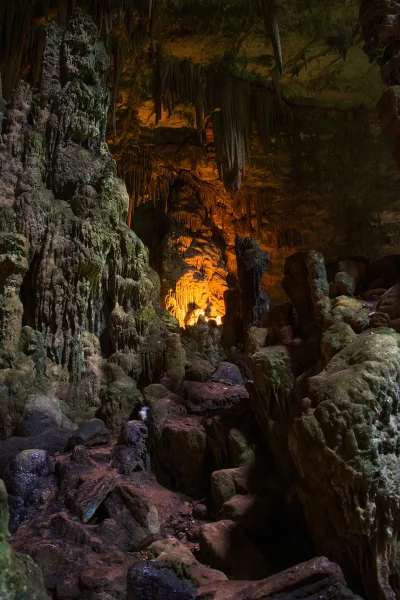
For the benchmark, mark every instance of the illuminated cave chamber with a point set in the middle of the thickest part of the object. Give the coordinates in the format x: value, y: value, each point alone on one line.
x: 194, y: 272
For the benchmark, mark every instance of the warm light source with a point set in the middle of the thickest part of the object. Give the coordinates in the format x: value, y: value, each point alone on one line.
x: 194, y: 316
x: 193, y: 299
x: 194, y: 281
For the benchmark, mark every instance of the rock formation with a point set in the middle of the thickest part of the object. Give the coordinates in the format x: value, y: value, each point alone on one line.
x: 20, y: 578
x: 82, y: 274
x: 180, y: 421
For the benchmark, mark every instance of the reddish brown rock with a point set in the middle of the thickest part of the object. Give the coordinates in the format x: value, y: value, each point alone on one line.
x: 317, y: 579
x: 91, y: 433
x: 177, y: 557
x: 179, y: 448
x: 228, y: 483
x: 88, y: 497
x: 226, y: 547
x: 200, y: 371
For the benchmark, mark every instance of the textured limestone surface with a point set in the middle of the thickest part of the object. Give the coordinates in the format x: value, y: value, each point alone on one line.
x: 72, y: 271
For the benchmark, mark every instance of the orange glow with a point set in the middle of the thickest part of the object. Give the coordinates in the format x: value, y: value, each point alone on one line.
x: 194, y: 297
x: 195, y: 314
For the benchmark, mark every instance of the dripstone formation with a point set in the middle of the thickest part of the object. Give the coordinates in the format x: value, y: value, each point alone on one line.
x: 68, y: 255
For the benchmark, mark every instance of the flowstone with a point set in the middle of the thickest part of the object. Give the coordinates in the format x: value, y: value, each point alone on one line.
x: 346, y: 448
x: 86, y: 286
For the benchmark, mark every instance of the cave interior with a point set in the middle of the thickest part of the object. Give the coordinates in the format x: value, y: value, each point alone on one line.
x: 199, y: 300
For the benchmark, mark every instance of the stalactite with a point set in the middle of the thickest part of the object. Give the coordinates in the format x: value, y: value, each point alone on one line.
x: 179, y: 81
x: 144, y: 179
x: 21, y: 39
x: 232, y: 105
x: 268, y: 9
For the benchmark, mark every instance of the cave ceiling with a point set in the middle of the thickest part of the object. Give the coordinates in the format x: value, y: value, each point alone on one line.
x: 197, y: 103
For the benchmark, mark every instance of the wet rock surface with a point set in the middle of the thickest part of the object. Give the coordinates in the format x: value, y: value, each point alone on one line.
x: 152, y: 580
x: 90, y: 433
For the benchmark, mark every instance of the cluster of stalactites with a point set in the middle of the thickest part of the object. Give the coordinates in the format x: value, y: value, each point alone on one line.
x: 143, y: 180
x: 231, y: 104
x: 122, y: 23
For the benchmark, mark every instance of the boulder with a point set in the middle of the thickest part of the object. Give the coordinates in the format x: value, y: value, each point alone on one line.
x: 30, y: 481
x: 120, y: 399
x: 317, y: 579
x: 41, y: 412
x: 150, y: 580
x: 351, y: 311
x: 156, y: 391
x: 92, y: 432
x: 51, y: 440
x: 227, y: 373
x: 131, y: 364
x: 178, y: 448
x: 128, y: 459
x: 256, y: 338
x: 349, y: 274
x: 134, y: 433
x: 335, y: 338
x: 227, y: 483
x: 226, y: 547
x: 199, y: 371
x: 131, y: 455
x: 133, y: 521
x: 177, y: 557
x: 345, y: 446
x: 202, y: 398
x: 85, y: 501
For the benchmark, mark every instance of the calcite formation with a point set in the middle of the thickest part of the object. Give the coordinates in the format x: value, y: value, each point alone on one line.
x: 140, y: 439
x: 193, y: 269
x: 86, y: 286
x: 345, y: 446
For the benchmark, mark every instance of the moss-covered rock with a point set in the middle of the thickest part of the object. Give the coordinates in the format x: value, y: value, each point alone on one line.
x: 120, y: 398
x: 20, y: 578
x: 345, y: 447
x: 335, y: 338
x: 351, y: 311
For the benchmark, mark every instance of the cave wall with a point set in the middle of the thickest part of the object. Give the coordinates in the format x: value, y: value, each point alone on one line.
x: 330, y: 182
x: 196, y: 97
